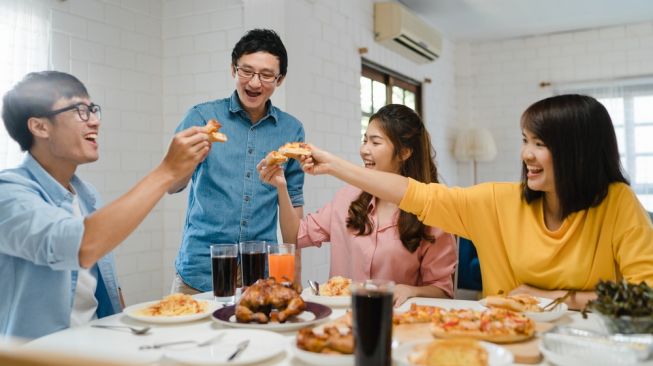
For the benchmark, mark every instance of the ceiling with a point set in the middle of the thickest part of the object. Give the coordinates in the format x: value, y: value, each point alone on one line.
x: 485, y: 20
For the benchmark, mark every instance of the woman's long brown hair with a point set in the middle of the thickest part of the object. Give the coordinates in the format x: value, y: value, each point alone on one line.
x: 407, y: 132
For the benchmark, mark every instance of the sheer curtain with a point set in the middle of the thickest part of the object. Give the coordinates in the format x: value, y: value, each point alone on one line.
x: 25, y: 41
x: 630, y: 104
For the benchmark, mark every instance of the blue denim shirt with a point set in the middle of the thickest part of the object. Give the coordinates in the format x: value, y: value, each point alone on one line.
x: 39, y: 245
x: 227, y: 202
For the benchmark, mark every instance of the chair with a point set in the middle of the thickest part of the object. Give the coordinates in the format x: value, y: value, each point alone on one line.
x: 469, y: 282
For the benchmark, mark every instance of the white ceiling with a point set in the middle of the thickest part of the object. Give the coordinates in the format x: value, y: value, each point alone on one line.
x: 484, y: 20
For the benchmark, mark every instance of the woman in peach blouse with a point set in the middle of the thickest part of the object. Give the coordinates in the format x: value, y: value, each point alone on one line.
x: 371, y: 238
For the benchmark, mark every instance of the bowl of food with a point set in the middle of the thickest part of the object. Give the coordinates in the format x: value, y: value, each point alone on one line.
x: 624, y: 307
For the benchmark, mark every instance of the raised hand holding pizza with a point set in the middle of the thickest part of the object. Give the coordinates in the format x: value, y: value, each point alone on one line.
x: 271, y: 174
x: 187, y: 149
x: 319, y: 162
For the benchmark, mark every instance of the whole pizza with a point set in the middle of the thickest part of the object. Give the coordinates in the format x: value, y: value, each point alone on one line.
x: 494, y: 325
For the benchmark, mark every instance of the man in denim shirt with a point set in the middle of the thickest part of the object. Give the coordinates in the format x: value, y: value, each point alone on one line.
x: 55, y: 262
x: 227, y: 202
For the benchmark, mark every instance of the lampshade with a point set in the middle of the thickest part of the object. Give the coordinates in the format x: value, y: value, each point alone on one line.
x: 476, y: 144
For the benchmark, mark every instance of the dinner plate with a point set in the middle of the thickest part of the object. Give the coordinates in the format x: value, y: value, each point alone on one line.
x: 543, y: 316
x: 320, y: 359
x: 313, y: 314
x: 132, y: 312
x: 560, y: 359
x: 332, y: 301
x: 497, y: 355
x: 262, y: 346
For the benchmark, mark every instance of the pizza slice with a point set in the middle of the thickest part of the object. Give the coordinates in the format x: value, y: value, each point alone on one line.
x: 493, y: 325
x: 212, y: 127
x: 418, y: 314
x: 295, y: 150
x: 520, y: 302
x: 275, y: 158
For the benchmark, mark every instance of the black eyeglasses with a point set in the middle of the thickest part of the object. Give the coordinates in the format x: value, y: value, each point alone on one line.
x: 83, y: 110
x: 264, y: 77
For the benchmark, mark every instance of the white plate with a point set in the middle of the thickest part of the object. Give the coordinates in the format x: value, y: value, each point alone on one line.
x: 333, y: 301
x: 314, y: 313
x: 320, y: 358
x: 543, y: 316
x: 132, y: 312
x: 497, y: 356
x: 571, y: 360
x: 262, y: 345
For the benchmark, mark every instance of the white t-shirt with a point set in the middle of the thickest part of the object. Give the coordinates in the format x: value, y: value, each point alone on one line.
x: 85, y: 304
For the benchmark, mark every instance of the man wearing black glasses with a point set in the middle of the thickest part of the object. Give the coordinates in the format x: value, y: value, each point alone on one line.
x: 55, y: 240
x: 227, y: 202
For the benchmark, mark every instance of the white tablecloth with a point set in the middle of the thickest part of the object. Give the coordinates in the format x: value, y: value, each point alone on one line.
x: 122, y: 346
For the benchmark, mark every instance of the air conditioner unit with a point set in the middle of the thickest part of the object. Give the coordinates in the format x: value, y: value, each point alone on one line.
x: 402, y: 31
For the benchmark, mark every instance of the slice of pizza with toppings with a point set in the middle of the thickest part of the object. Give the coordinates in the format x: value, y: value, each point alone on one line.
x: 275, y: 158
x: 418, y: 314
x: 493, y: 325
x: 295, y: 150
x: 520, y: 302
x: 212, y: 127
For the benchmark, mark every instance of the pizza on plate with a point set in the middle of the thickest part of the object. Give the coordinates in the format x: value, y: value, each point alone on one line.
x: 212, y: 127
x: 520, y: 302
x: 494, y: 325
x: 450, y: 352
x: 418, y: 314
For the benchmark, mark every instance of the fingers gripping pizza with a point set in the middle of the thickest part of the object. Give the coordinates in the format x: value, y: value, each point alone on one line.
x: 493, y: 325
x: 212, y: 127
x: 275, y: 158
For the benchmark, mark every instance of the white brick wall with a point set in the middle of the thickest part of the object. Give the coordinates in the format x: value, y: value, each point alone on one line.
x: 114, y: 47
x: 497, y: 81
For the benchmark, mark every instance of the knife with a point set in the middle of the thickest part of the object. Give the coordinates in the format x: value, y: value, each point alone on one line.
x: 239, y: 349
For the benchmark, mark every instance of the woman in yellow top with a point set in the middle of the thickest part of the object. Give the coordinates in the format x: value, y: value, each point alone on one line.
x: 571, y: 221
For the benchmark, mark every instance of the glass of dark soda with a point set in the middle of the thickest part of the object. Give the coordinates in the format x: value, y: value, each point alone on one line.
x: 371, y: 303
x: 224, y: 271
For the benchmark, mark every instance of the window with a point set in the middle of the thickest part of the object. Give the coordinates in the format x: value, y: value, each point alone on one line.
x: 380, y: 86
x: 630, y: 104
x: 25, y: 39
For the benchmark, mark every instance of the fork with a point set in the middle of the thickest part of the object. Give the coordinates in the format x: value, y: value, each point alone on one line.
x: 558, y: 300
x: 208, y: 342
x: 137, y: 331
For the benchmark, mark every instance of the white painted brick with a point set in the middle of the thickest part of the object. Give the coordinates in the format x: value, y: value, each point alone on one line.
x: 104, y: 34
x: 196, y: 63
x: 69, y: 24
x: 612, y: 33
x: 194, y: 24
x: 86, y: 51
x: 213, y: 41
x: 120, y: 58
x: 640, y: 29
x: 117, y: 16
x: 135, y: 42
x: 138, y: 6
x: 176, y: 8
x: 119, y: 98
x: 178, y: 46
x: 103, y: 75
x: 148, y: 103
x: 149, y: 26
x: 148, y: 64
x: 61, y: 52
x: 227, y: 18
x: 90, y: 9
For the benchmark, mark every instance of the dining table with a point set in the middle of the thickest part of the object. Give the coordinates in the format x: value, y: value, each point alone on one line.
x: 122, y: 346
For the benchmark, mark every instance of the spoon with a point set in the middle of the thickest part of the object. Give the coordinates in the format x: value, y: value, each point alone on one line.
x: 137, y: 331
x: 315, y: 287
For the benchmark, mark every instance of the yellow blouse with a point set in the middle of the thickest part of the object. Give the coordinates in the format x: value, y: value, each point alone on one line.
x: 611, y: 240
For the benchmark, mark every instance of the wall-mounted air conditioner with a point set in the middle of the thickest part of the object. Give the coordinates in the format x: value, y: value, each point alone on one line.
x: 402, y: 31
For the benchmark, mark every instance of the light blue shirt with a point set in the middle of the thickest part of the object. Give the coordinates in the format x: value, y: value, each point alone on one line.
x: 227, y: 202
x: 39, y: 244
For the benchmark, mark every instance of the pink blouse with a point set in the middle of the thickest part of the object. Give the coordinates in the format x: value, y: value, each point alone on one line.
x: 381, y: 254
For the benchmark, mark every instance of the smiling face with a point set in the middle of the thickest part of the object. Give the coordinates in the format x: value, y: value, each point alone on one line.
x: 69, y: 140
x: 377, y: 151
x: 539, y: 163
x: 253, y: 93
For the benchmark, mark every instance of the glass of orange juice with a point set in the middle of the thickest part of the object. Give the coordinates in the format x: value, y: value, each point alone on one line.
x: 281, y: 262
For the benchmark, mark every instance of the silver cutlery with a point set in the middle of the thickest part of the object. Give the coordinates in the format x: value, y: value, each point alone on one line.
x: 208, y: 342
x: 315, y: 287
x: 239, y: 349
x: 137, y: 331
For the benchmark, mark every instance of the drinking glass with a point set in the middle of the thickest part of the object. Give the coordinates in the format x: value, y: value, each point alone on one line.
x: 371, y: 303
x: 252, y: 261
x: 224, y: 270
x: 281, y: 262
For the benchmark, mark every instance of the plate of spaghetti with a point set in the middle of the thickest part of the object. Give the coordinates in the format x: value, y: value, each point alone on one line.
x: 175, y: 308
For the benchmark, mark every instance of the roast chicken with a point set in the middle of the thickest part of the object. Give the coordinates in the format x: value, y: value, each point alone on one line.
x: 265, y: 295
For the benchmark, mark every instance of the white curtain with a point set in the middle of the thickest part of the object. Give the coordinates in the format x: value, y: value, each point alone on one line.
x: 25, y: 40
